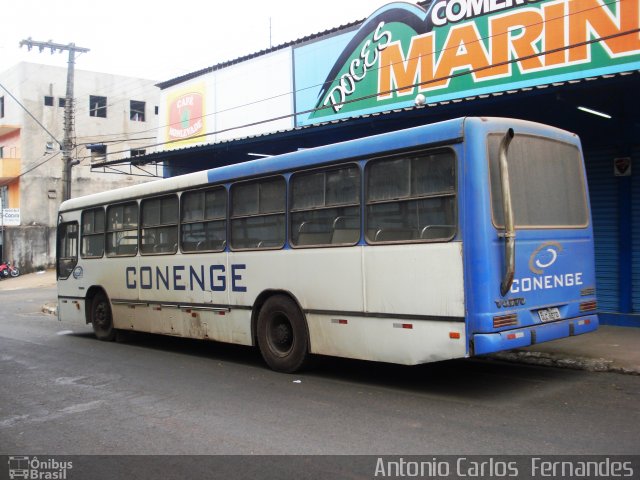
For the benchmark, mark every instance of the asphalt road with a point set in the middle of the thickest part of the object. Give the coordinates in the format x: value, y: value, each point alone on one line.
x: 64, y: 392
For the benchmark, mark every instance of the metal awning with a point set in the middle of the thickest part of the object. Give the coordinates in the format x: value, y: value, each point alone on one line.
x: 515, y: 103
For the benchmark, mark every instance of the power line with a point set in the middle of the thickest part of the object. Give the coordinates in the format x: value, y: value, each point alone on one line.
x: 12, y: 179
x: 393, y: 90
x: 346, y: 102
x: 329, y: 82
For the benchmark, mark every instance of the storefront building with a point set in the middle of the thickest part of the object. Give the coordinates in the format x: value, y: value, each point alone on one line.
x: 568, y: 63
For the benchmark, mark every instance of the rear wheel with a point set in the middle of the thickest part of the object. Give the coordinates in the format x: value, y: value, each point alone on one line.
x: 101, y: 318
x: 282, y: 335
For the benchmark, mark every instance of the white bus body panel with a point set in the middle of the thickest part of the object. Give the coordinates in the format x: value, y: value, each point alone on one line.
x: 418, y: 279
x: 401, y: 312
x: 72, y: 310
x: 385, y: 340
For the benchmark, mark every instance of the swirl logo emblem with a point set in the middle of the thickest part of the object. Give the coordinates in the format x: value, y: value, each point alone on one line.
x: 78, y: 273
x: 544, y: 256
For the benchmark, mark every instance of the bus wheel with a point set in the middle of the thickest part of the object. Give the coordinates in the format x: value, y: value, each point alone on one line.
x: 282, y: 335
x: 101, y: 318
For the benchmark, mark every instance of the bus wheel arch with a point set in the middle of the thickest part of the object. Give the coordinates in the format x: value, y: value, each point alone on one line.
x: 280, y: 330
x: 100, y: 314
x: 91, y: 292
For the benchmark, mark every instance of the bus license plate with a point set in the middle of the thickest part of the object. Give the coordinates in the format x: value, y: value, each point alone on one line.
x: 549, y: 314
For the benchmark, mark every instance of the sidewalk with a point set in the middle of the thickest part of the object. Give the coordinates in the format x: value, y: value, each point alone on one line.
x: 46, y: 278
x: 610, y: 349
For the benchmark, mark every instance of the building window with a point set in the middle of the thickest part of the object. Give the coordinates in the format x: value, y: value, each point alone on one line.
x: 157, y: 109
x: 1, y: 151
x: 48, y: 101
x: 98, y: 152
x: 136, y: 111
x: 62, y: 102
x: 138, y: 152
x: 97, y: 106
x: 2, y: 107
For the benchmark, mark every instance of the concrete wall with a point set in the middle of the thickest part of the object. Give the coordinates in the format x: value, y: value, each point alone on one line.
x: 30, y: 247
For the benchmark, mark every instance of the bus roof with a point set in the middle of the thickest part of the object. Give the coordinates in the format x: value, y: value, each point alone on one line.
x: 440, y: 133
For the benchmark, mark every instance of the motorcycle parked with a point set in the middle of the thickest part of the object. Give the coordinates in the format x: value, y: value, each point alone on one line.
x: 8, y: 270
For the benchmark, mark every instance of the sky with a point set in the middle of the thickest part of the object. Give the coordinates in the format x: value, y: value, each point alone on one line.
x: 159, y: 40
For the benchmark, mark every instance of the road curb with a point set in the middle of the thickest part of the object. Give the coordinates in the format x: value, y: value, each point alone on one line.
x: 50, y: 308
x: 560, y: 360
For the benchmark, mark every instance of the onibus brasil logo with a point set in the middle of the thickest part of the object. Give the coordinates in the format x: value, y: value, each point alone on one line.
x: 38, y: 469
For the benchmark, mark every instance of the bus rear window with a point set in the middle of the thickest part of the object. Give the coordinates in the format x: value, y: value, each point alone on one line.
x: 547, y: 183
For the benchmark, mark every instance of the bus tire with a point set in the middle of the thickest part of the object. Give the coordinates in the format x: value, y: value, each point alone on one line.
x: 282, y: 335
x: 101, y: 318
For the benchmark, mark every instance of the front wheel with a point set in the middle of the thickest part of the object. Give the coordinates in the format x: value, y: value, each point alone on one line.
x: 282, y: 335
x: 101, y: 318
x: 15, y: 271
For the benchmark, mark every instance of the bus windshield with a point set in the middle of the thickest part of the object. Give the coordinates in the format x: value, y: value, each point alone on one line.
x: 547, y: 183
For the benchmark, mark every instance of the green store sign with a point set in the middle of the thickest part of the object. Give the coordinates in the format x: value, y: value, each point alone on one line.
x: 461, y: 48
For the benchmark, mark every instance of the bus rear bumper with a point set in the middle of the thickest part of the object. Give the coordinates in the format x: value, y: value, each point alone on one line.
x: 524, y: 337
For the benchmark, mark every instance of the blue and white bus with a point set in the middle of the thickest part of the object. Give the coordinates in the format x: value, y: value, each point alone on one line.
x: 455, y: 239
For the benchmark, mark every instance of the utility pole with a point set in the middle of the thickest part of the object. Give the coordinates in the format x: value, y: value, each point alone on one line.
x: 67, y: 142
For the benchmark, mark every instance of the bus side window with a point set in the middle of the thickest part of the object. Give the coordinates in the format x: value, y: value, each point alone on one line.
x: 411, y: 198
x: 122, y: 229
x: 258, y: 214
x: 159, y: 221
x: 325, y: 207
x: 203, y: 220
x: 92, y: 233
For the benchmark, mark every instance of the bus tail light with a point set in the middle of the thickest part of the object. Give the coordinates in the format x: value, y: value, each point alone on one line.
x: 588, y: 306
x: 515, y: 336
x: 505, y: 320
x: 585, y: 292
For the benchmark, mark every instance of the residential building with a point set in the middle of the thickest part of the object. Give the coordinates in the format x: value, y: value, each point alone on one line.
x: 114, y: 117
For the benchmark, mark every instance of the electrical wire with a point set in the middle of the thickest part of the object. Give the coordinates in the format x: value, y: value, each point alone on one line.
x: 391, y: 91
x: 294, y: 92
x: 31, y: 169
x: 432, y: 81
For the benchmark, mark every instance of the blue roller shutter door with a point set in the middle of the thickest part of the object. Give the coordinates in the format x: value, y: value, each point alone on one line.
x: 604, y: 210
x: 635, y: 228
